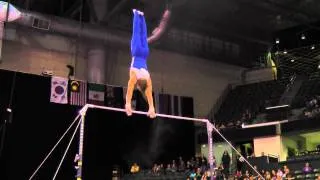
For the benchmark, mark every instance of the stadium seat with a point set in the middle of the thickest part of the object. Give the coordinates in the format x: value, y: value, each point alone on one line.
x: 300, y: 177
x: 310, y: 175
x: 252, y: 98
x: 297, y: 172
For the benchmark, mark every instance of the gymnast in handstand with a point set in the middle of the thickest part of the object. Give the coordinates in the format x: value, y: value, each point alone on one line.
x: 139, y: 74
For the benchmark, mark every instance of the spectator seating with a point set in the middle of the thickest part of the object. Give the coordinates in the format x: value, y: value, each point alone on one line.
x: 307, y: 91
x: 251, y: 99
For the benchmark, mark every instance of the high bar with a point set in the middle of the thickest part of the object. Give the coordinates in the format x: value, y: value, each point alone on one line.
x: 145, y: 113
x: 263, y: 124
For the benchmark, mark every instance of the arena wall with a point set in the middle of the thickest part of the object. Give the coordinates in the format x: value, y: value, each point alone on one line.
x: 33, y: 52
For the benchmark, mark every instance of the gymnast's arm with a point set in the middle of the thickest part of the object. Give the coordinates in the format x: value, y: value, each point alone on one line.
x: 148, y: 93
x: 131, y: 83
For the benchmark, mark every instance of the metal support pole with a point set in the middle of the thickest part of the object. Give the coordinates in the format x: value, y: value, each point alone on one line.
x: 81, y: 139
x: 210, y: 150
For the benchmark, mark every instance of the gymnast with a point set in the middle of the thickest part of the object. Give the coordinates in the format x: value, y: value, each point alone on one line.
x: 139, y: 74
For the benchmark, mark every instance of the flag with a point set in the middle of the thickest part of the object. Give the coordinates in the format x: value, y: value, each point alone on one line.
x: 187, y: 109
x: 96, y: 94
x: 59, y: 92
x: 78, y: 93
x: 165, y: 104
x: 176, y: 106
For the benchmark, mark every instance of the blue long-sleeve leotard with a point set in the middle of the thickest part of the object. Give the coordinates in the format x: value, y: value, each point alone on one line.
x: 139, y: 44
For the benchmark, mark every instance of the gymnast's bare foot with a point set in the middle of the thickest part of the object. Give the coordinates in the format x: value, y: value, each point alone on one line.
x: 141, y: 13
x: 151, y: 113
x: 128, y: 109
x: 137, y: 11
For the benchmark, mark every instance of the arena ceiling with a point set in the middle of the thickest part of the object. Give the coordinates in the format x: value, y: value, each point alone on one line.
x: 251, y: 21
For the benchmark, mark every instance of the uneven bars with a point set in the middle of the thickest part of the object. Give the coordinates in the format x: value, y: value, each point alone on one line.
x: 145, y: 113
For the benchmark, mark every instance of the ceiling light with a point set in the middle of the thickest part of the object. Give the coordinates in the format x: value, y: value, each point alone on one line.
x: 303, y: 37
x: 313, y: 47
x: 285, y: 52
x: 319, y: 66
x: 292, y: 60
x: 277, y: 41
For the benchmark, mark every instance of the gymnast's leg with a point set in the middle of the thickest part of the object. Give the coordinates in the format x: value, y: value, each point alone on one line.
x: 136, y: 34
x: 143, y: 34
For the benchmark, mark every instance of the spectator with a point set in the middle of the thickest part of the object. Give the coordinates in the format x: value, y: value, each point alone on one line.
x: 307, y: 168
x: 192, y: 162
x: 189, y: 166
x: 174, y: 167
x: 273, y: 174
x: 246, y: 174
x: 204, y: 164
x: 155, y: 169
x: 239, y: 163
x: 226, y: 163
x: 181, y: 165
x: 268, y: 175
x: 287, y: 174
x: 198, y: 174
x: 168, y: 169
x: 161, y: 169
x: 197, y: 164
x: 238, y: 174
x: 205, y: 175
x: 135, y: 168
x: 279, y: 174
x: 220, y: 172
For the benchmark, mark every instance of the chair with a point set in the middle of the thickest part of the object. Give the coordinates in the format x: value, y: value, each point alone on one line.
x: 309, y: 175
x: 297, y: 172
x: 316, y: 170
x: 300, y: 176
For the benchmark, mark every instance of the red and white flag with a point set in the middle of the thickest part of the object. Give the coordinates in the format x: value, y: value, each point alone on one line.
x: 78, y: 93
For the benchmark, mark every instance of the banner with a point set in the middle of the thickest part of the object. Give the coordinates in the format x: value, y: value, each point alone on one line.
x: 59, y: 90
x: 96, y: 94
x: 78, y: 93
